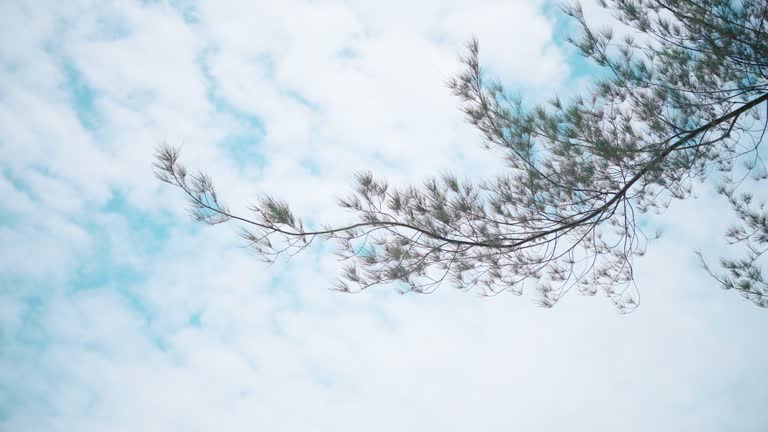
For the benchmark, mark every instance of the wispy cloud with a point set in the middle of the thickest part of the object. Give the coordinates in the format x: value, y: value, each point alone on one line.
x: 117, y: 313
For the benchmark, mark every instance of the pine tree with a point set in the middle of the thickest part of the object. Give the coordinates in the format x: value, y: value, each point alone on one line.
x: 683, y: 100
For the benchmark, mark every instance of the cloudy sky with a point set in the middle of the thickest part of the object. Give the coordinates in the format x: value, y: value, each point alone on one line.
x: 118, y: 313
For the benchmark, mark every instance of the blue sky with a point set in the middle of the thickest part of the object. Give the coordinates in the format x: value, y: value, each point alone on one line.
x: 118, y: 313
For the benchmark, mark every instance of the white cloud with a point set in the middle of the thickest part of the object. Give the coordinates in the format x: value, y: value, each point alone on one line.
x: 201, y: 336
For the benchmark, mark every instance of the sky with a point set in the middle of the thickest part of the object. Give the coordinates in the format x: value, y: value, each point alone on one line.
x: 119, y: 313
